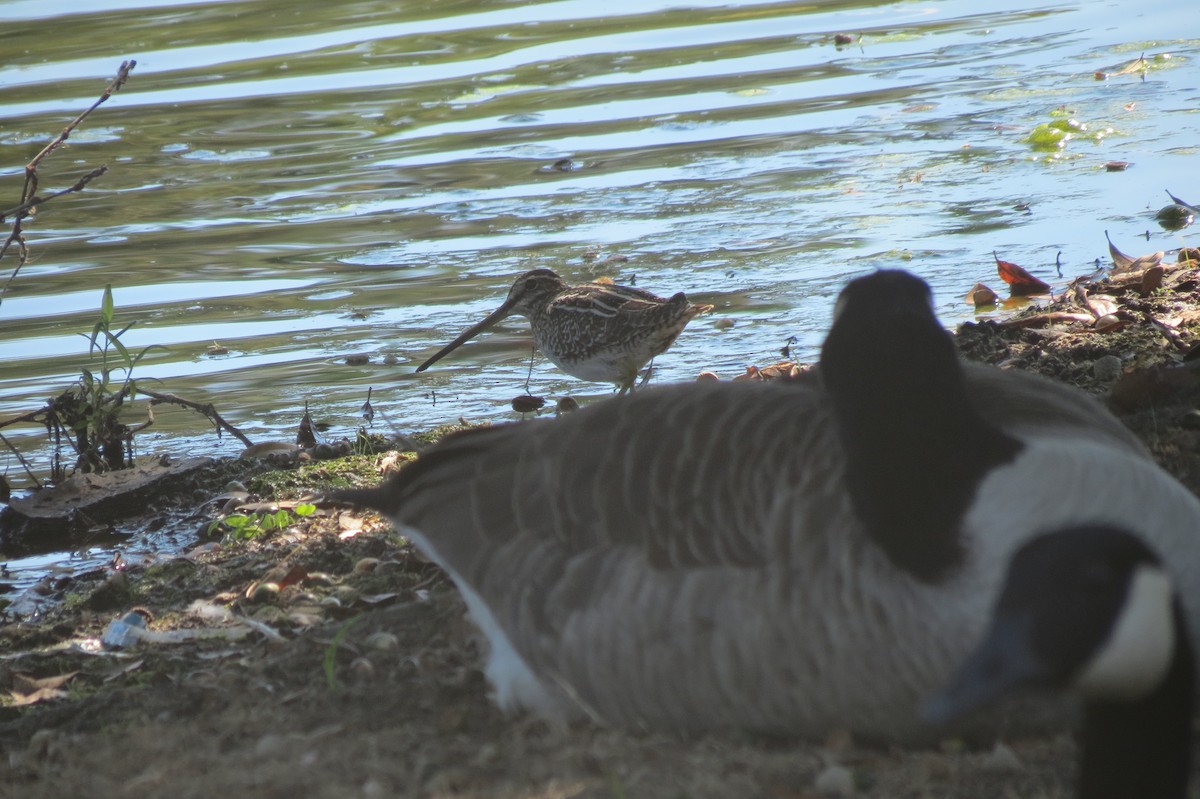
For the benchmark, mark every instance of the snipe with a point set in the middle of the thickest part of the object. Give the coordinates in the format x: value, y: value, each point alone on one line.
x: 594, y: 331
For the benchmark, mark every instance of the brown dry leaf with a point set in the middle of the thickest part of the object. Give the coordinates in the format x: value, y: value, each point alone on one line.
x: 40, y: 695
x: 29, y: 690
x: 778, y: 370
x: 1120, y: 260
x: 981, y: 296
x: 1152, y: 280
x: 1127, y: 263
x: 1138, y: 65
x: 27, y: 683
x: 284, y: 575
x: 350, y: 525
x: 1101, y: 305
x: 1020, y: 282
x: 390, y: 463
x: 306, y: 435
x: 751, y: 374
x: 1047, y: 319
x: 1109, y: 323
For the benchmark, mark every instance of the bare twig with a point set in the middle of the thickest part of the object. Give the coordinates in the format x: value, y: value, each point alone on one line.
x: 114, y: 87
x: 32, y: 416
x: 34, y: 202
x: 206, y: 409
x: 21, y: 459
x: 29, y: 197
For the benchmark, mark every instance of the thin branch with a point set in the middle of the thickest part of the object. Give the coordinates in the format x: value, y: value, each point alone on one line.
x: 34, y: 202
x: 22, y: 461
x: 114, y: 87
x: 32, y: 416
x: 208, y: 410
x: 29, y: 199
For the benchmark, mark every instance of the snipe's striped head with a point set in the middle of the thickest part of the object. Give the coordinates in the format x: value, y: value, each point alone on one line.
x: 531, y: 291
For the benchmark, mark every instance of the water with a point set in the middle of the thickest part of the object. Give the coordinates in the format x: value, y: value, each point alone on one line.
x: 306, y: 181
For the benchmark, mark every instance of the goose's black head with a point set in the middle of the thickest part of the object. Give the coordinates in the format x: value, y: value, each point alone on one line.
x: 916, y: 449
x: 1091, y: 610
x: 1088, y: 609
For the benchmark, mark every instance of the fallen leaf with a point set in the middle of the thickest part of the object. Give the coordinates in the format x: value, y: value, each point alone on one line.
x: 751, y: 374
x: 1152, y: 280
x: 40, y: 695
x: 1047, y: 319
x: 1020, y: 282
x: 981, y: 296
x: 1127, y: 263
x: 1139, y: 65
x: 29, y: 690
x: 306, y: 436
x: 1099, y: 305
x: 26, y: 683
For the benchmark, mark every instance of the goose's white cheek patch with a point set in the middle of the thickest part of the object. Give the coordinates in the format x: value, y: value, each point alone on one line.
x: 1134, y: 659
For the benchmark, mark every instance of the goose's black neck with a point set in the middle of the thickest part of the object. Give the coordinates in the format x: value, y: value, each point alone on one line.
x: 915, y: 447
x: 1143, y: 749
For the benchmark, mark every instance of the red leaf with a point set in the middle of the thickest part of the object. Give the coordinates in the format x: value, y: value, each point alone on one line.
x: 1020, y: 283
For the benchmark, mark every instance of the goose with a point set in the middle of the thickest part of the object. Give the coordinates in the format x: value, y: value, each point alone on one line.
x: 594, y: 331
x: 789, y: 557
x: 1092, y: 611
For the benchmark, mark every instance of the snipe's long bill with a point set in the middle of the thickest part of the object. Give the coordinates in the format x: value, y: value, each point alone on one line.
x: 594, y: 331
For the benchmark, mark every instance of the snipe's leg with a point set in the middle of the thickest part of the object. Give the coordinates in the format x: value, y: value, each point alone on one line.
x: 529, y: 374
x: 646, y: 374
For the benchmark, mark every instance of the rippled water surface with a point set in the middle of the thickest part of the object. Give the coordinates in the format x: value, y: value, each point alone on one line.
x: 306, y: 181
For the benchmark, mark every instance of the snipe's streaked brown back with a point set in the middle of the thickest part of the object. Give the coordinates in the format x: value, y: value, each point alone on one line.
x: 594, y: 331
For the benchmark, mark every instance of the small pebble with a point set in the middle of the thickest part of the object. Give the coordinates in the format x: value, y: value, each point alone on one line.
x: 270, y: 744
x: 366, y: 565
x: 1107, y: 368
x: 374, y: 788
x: 1001, y: 759
x: 363, y: 669
x: 383, y: 641
x: 835, y: 781
x: 264, y: 592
